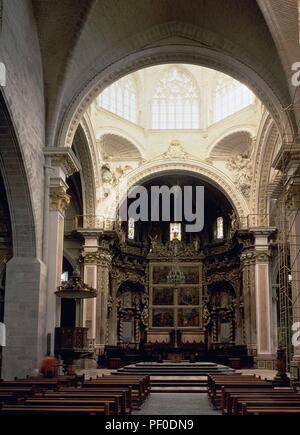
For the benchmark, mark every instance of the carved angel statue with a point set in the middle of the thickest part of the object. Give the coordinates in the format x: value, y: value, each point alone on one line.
x: 153, y: 242
x: 233, y: 221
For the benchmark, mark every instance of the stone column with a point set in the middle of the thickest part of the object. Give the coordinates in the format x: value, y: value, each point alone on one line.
x: 24, y: 316
x: 249, y: 297
x: 63, y: 163
x: 266, y: 332
x: 293, y: 204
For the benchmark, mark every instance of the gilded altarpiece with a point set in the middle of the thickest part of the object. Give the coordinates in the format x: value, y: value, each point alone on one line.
x: 175, y: 292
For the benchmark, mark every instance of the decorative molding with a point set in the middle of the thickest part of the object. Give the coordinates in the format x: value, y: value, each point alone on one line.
x: 64, y: 158
x: 59, y: 199
x: 241, y: 167
x: 174, y: 249
x: 208, y: 50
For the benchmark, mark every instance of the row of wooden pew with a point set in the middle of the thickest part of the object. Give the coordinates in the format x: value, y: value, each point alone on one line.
x: 238, y: 394
x: 108, y: 395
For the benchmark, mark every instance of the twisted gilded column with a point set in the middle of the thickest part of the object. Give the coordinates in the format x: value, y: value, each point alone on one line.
x: 249, y: 297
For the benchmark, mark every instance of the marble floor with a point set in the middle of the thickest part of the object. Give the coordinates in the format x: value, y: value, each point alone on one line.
x: 177, y: 404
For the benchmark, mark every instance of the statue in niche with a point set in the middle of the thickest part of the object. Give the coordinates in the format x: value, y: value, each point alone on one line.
x: 153, y: 243
x: 233, y: 221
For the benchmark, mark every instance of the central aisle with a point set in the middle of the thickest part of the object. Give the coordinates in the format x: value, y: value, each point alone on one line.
x: 177, y: 404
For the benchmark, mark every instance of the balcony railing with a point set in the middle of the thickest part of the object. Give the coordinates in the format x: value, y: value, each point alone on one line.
x: 253, y: 221
x: 83, y: 222
x: 98, y: 222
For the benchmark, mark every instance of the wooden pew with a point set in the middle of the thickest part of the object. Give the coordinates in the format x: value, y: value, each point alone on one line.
x: 113, y: 403
x: 126, y: 393
x: 270, y: 410
x: 215, y: 393
x: 229, y: 395
x: 53, y: 410
x: 137, y: 390
x: 145, y: 381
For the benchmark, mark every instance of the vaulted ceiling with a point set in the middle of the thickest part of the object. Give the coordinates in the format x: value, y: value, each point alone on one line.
x: 80, y: 39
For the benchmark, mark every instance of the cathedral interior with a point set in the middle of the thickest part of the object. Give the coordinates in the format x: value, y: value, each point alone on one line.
x: 104, y: 97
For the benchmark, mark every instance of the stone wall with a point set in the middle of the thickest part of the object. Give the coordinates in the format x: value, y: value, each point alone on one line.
x: 24, y: 95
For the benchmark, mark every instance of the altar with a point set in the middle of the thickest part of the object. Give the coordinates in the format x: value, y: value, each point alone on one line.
x: 175, y: 297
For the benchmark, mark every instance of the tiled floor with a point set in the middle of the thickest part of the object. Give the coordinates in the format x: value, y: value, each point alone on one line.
x: 177, y: 404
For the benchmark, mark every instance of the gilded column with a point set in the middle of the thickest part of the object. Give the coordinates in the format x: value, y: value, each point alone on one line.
x: 104, y: 266
x: 249, y: 298
x: 90, y: 261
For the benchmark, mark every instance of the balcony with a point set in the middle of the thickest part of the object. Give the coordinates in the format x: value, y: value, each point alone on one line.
x: 89, y: 222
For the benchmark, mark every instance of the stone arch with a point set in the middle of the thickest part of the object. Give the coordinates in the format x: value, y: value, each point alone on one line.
x: 125, y: 149
x: 17, y: 188
x: 268, y: 139
x: 124, y: 135
x: 194, y: 167
x: 87, y: 156
x: 230, y: 134
x: 228, y: 58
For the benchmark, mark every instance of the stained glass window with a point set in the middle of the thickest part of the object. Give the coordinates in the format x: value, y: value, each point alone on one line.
x: 175, y: 103
x: 120, y: 98
x: 175, y: 231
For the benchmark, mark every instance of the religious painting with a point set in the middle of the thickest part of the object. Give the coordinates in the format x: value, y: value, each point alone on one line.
x: 162, y: 317
x: 160, y: 274
x: 162, y: 296
x: 188, y: 317
x: 188, y: 296
x: 191, y: 274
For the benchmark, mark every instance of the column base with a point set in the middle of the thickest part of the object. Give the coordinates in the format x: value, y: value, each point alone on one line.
x: 266, y: 361
x: 24, y: 317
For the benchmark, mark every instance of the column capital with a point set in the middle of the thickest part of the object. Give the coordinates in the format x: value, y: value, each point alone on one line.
x: 59, y: 199
x: 101, y: 258
x: 64, y: 158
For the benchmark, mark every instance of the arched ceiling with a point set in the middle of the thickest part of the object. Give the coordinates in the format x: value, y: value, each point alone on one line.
x: 235, y: 143
x: 80, y: 40
x: 118, y: 148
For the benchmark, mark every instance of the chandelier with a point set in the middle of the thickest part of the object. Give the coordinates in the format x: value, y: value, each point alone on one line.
x: 176, y: 276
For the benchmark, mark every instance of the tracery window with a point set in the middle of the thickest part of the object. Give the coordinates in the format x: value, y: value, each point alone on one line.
x: 220, y: 228
x: 230, y: 97
x: 175, y: 103
x: 131, y: 228
x: 120, y: 98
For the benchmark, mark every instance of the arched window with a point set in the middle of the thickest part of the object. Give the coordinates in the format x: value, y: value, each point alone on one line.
x: 230, y: 97
x: 220, y: 228
x: 120, y: 98
x: 175, y: 103
x: 131, y: 229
